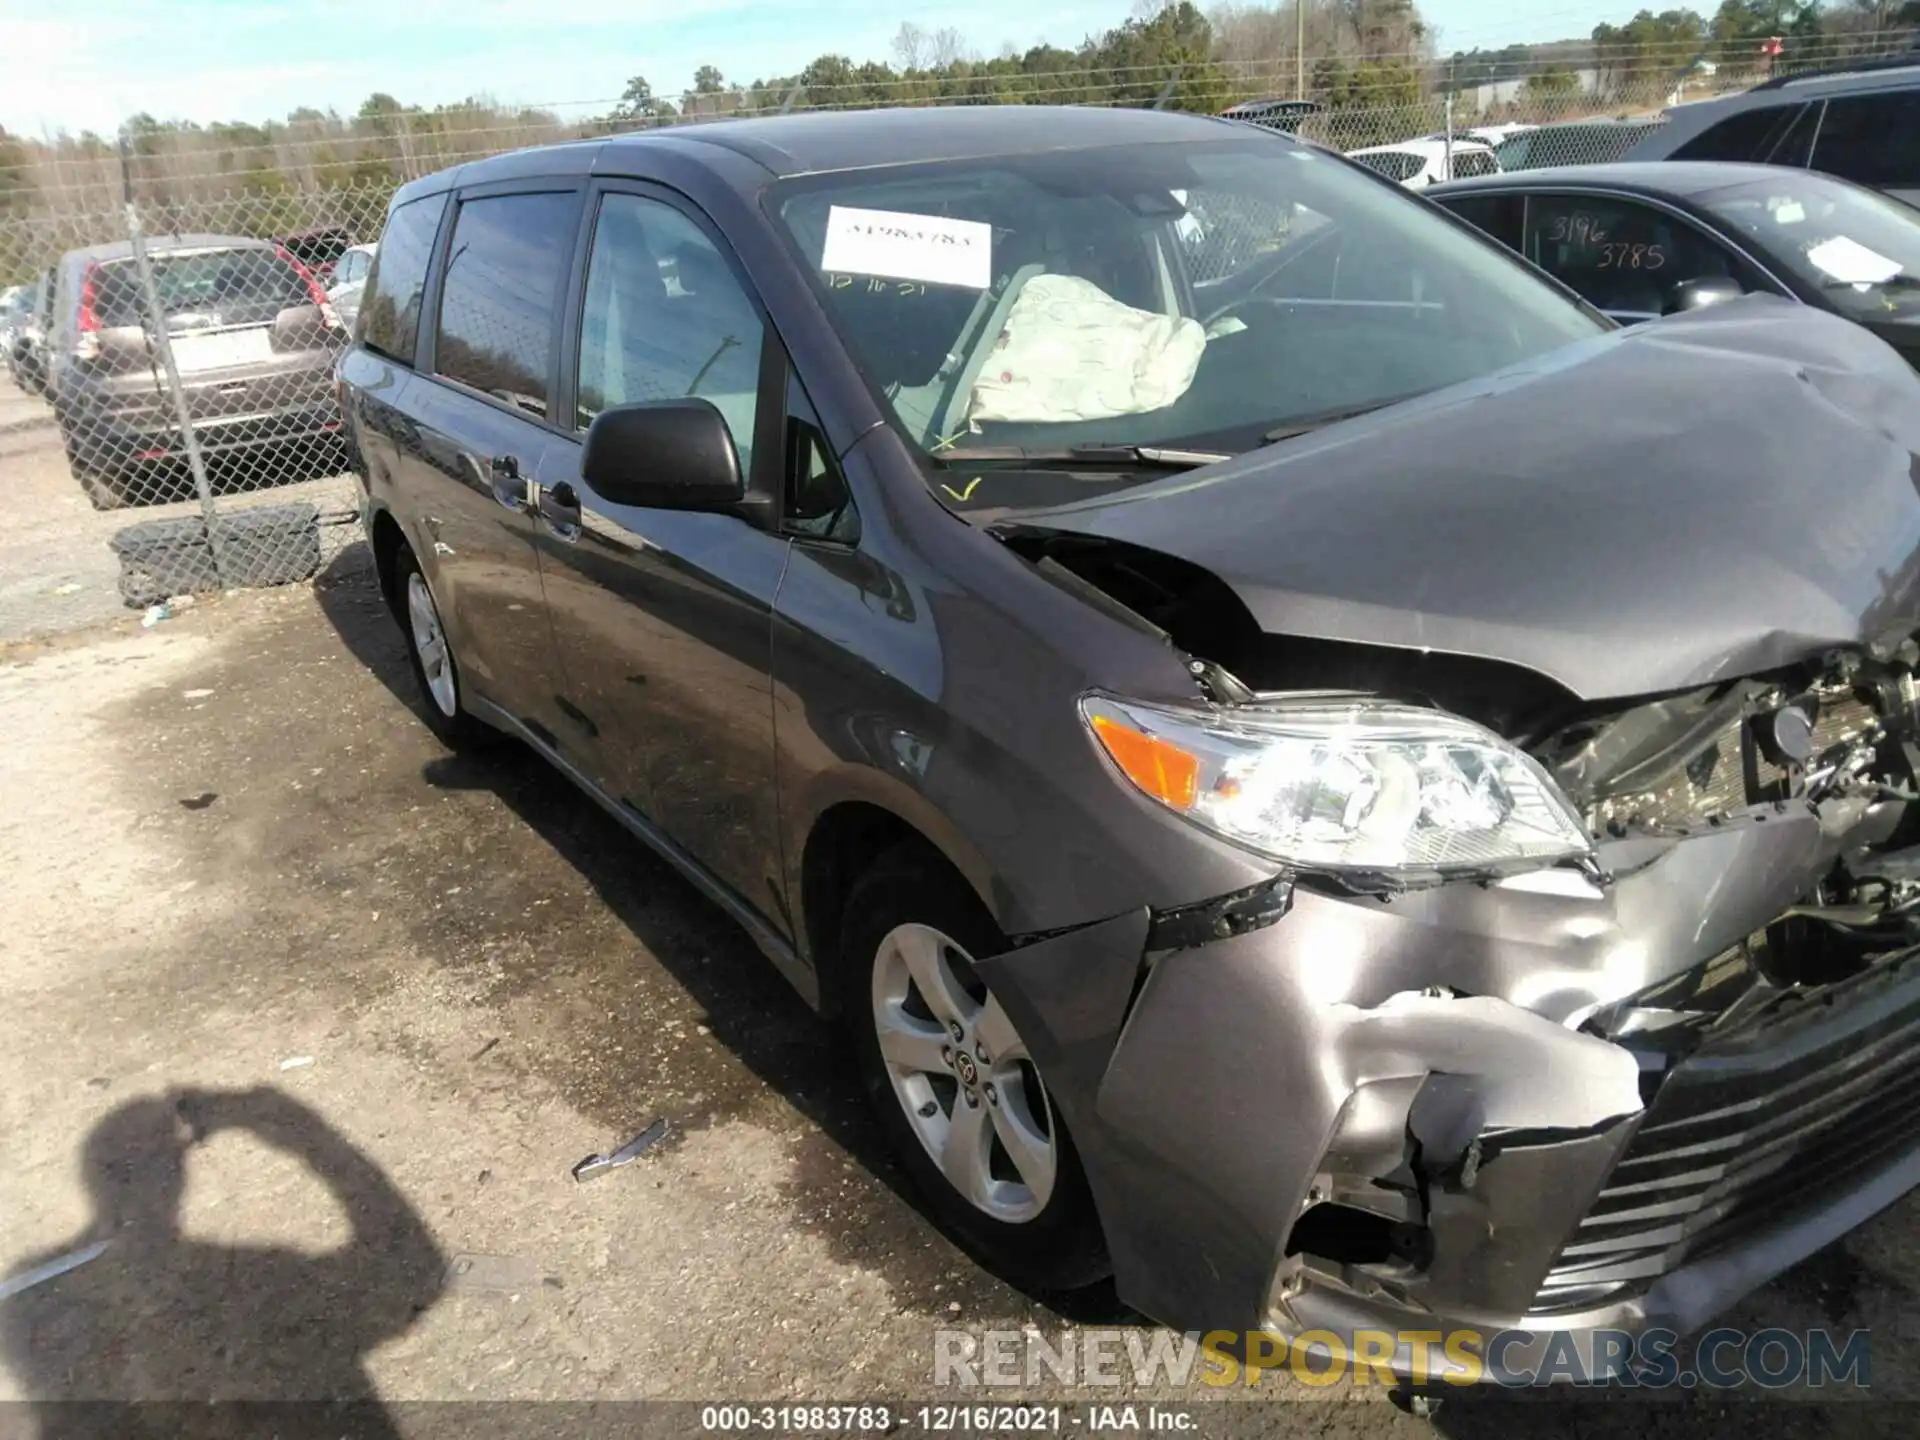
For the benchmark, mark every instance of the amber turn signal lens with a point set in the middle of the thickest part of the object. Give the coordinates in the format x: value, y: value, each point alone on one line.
x: 1165, y: 771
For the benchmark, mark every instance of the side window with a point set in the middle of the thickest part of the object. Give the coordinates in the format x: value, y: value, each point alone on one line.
x: 1622, y: 257
x: 1872, y: 139
x: 506, y: 272
x: 390, y: 311
x: 1394, y: 164
x: 1468, y: 163
x: 1749, y: 135
x: 1496, y: 215
x: 817, y: 502
x: 666, y: 318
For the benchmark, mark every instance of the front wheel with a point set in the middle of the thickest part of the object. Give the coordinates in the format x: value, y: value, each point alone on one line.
x: 952, y: 1082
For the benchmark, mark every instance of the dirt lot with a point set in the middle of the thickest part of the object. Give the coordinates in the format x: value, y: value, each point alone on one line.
x: 311, y: 1020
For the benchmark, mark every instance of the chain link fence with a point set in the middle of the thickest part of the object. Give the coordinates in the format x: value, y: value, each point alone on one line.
x: 171, y: 342
x: 171, y: 371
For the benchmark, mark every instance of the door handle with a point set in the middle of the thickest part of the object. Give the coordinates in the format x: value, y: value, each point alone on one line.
x: 508, y: 485
x: 559, y: 505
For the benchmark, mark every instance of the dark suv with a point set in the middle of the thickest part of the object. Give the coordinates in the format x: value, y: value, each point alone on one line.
x: 1860, y: 123
x: 1320, y: 775
x: 252, y: 334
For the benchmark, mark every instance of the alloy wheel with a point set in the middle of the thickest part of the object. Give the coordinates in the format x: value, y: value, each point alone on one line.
x: 430, y: 644
x: 962, y: 1075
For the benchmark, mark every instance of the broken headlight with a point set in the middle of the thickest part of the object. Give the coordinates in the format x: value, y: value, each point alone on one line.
x: 1344, y: 783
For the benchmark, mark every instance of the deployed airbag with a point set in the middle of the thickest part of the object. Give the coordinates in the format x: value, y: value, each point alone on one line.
x: 1069, y: 351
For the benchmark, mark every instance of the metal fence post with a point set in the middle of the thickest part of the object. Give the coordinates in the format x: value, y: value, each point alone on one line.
x: 163, y: 347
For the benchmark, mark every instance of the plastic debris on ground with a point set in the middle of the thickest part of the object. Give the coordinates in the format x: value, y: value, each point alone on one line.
x: 155, y: 614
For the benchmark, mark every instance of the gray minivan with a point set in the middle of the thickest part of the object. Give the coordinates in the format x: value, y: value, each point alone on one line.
x: 252, y: 334
x: 1316, y: 774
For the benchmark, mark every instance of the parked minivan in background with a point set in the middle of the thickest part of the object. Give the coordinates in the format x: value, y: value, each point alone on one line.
x: 1316, y: 774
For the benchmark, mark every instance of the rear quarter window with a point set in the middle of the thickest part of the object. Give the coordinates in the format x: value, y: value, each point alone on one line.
x: 390, y: 309
x: 1750, y: 135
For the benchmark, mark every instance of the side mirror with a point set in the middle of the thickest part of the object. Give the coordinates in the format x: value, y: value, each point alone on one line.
x: 663, y: 454
x: 1702, y: 292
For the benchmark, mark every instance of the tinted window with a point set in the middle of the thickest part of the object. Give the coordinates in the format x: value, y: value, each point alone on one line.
x: 499, y: 304
x: 1497, y: 215
x: 1468, y: 163
x: 1873, y: 139
x: 1749, y: 135
x: 1394, y: 164
x: 1623, y: 257
x: 390, y: 309
x: 666, y: 318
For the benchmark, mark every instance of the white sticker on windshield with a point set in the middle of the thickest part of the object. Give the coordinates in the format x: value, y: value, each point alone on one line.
x: 1852, y: 263
x: 902, y: 246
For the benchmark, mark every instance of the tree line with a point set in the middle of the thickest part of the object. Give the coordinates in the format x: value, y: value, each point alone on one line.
x: 1356, y: 56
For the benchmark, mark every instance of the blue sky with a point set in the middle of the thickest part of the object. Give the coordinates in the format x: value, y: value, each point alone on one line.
x: 77, y: 64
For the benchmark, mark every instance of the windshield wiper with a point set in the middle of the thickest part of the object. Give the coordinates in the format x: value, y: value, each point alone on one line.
x: 1163, y: 457
x: 1320, y: 420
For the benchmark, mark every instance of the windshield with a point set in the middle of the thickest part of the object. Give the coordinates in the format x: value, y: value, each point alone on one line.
x: 1858, y: 249
x: 1191, y: 295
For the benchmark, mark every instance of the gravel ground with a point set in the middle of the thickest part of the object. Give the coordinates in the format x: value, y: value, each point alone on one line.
x: 310, y: 1020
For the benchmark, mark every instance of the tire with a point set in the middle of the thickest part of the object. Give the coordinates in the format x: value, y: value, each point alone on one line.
x: 430, y: 655
x: 1032, y: 1224
x: 103, y: 487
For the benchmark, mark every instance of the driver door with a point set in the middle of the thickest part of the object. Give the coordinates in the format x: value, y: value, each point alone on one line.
x: 663, y: 619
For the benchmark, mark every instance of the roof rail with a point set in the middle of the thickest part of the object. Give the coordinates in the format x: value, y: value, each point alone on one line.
x: 1908, y: 61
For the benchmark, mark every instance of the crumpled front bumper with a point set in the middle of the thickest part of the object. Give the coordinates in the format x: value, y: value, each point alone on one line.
x: 1429, y: 1042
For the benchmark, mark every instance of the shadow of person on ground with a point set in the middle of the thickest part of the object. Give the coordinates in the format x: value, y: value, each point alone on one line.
x: 749, y: 1008
x: 161, y: 1324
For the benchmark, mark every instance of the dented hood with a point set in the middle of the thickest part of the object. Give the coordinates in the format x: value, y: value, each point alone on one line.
x: 1707, y: 496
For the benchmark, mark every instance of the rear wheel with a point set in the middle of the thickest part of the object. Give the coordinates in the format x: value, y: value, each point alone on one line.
x: 952, y: 1082
x: 103, y: 486
x: 431, y: 655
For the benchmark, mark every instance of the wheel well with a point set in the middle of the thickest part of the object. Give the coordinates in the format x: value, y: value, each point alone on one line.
x: 842, y: 846
x: 388, y: 542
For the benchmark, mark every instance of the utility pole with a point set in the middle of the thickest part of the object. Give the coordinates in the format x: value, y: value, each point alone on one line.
x: 1299, y: 49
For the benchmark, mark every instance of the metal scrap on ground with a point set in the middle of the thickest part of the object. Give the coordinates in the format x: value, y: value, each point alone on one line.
x: 595, y: 1165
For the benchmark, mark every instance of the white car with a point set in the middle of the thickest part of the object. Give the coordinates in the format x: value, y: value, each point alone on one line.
x: 1483, y: 134
x: 349, y: 280
x: 1420, y: 163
